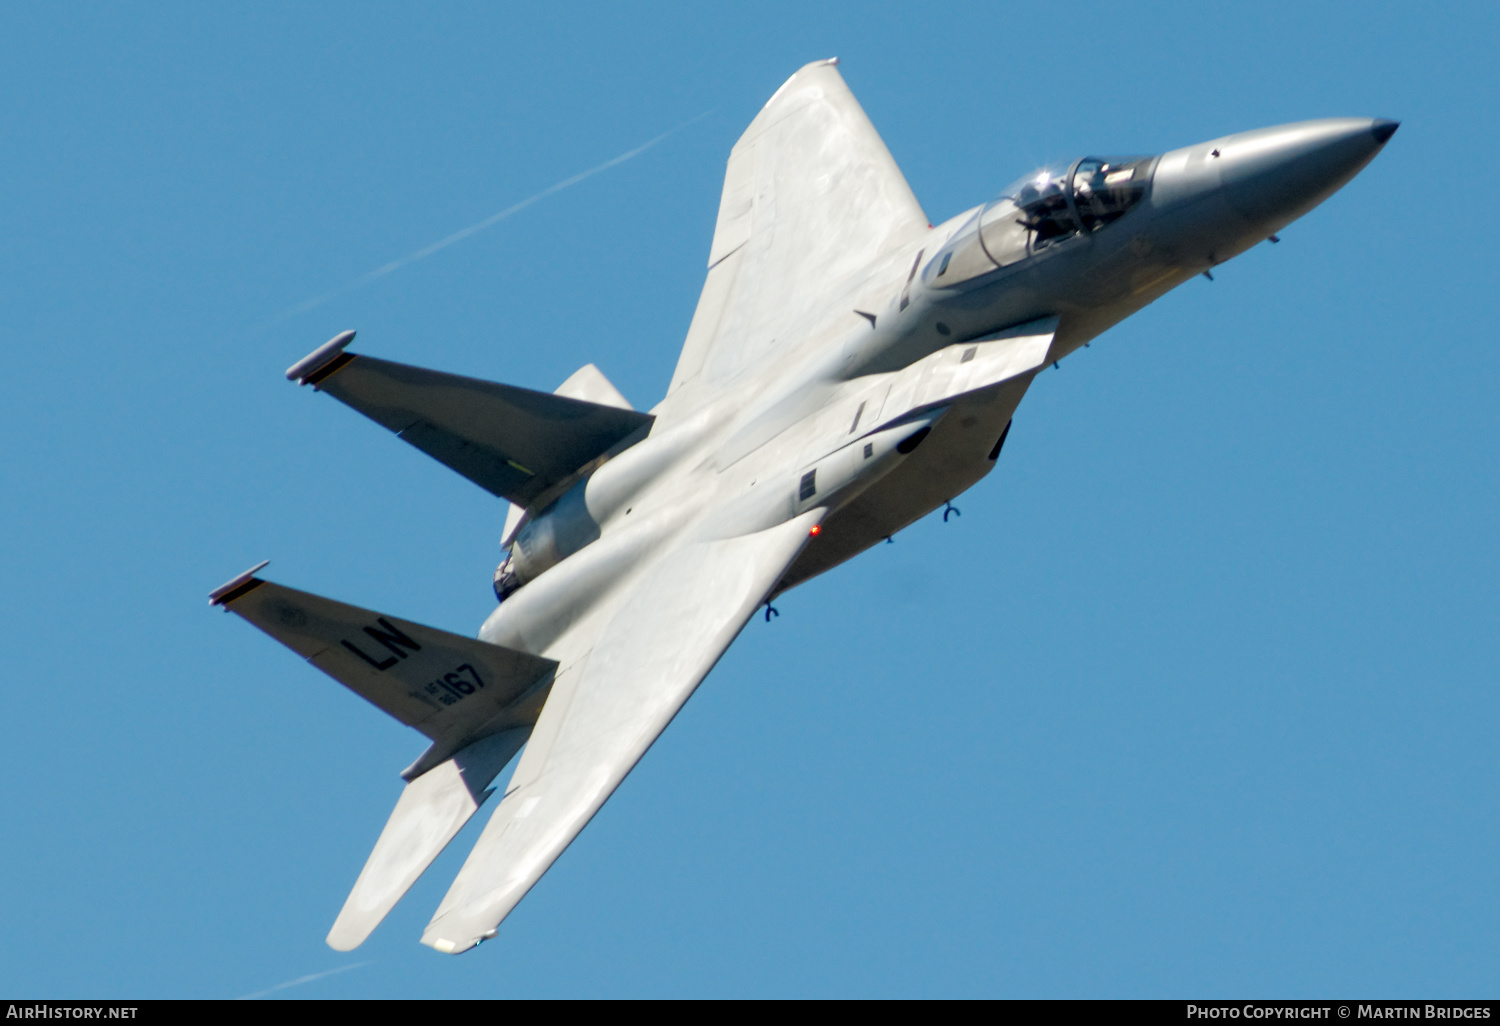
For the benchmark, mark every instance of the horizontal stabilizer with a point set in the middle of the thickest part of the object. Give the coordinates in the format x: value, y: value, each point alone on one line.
x: 451, y: 688
x: 589, y: 384
x: 430, y: 813
x: 512, y: 442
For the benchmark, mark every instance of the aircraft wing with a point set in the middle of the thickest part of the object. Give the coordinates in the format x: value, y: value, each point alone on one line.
x: 811, y: 196
x: 607, y: 709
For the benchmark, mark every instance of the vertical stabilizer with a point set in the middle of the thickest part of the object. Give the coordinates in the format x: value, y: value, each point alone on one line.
x: 589, y: 384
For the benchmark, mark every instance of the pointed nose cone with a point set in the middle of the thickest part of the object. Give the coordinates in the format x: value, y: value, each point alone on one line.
x: 1275, y: 175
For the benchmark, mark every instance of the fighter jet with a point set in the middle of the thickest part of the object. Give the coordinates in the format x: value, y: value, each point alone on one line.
x: 849, y: 369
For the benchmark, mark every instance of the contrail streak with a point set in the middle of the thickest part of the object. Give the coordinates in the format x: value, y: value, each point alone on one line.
x: 479, y: 226
x: 301, y: 980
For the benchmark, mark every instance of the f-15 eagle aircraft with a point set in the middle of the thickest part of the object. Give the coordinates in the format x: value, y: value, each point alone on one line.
x: 849, y: 369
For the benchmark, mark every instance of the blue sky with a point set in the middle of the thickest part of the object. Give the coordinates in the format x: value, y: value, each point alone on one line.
x: 1198, y: 697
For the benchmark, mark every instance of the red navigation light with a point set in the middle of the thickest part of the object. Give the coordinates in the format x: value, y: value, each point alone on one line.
x: 817, y: 529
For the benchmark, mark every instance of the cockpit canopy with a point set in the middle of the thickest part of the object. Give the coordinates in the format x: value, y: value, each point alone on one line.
x: 1047, y: 206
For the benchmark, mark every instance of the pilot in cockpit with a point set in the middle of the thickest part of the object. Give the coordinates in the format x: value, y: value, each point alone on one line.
x: 1044, y: 207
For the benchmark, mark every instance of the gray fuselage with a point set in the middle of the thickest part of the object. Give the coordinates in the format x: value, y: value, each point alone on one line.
x: 1035, y: 254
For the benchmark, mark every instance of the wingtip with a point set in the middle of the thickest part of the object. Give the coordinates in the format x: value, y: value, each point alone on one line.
x: 338, y: 942
x: 237, y: 586
x: 314, y: 361
x: 434, y: 937
x: 353, y: 926
x: 448, y: 947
